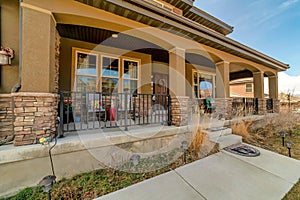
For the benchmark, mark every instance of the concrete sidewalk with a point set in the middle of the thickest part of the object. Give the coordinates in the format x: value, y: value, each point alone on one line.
x: 221, y: 176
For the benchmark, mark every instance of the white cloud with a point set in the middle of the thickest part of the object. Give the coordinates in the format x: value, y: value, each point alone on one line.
x: 287, y: 83
x: 288, y: 3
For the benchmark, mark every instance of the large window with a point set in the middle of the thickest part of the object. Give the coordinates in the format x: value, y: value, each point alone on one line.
x: 109, y: 75
x: 130, y: 76
x: 86, y: 72
x: 203, y: 85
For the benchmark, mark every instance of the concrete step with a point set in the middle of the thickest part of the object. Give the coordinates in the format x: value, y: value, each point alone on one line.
x: 218, y: 132
x: 208, y: 123
x: 226, y: 140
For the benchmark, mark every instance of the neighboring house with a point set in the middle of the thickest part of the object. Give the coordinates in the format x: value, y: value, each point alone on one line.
x: 242, y: 88
x: 152, y: 47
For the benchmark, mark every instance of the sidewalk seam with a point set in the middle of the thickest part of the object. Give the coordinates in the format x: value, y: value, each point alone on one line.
x: 189, y: 184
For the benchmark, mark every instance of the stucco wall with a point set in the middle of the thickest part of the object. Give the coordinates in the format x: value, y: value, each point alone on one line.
x: 9, y: 75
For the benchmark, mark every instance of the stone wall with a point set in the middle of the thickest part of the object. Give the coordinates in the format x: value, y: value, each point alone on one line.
x: 262, y: 106
x: 33, y: 113
x: 223, y: 108
x: 6, y: 118
x: 276, y: 106
x: 179, y: 110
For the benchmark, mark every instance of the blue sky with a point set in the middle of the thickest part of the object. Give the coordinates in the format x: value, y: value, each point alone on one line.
x: 269, y: 26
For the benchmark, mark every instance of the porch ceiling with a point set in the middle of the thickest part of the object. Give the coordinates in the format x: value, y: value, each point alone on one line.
x: 125, y: 42
x: 154, y: 16
x: 104, y: 37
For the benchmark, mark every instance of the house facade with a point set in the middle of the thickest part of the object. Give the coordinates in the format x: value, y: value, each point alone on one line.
x: 149, y: 50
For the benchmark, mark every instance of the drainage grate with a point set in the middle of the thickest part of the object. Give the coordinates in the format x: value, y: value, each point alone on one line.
x: 243, y: 150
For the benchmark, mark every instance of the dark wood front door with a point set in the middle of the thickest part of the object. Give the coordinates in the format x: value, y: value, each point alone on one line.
x: 161, y: 83
x: 161, y: 89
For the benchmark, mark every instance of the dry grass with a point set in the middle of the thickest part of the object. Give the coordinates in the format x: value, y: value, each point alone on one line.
x: 242, y: 128
x: 198, y: 140
x: 265, y: 133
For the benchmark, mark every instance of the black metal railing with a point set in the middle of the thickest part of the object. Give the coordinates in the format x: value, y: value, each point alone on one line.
x: 244, y: 106
x: 269, y: 105
x: 94, y: 110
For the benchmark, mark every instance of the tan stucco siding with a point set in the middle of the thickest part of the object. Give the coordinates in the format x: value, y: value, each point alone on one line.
x: 38, y: 51
x: 10, y: 38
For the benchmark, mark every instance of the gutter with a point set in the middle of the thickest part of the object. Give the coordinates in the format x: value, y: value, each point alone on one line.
x: 18, y: 86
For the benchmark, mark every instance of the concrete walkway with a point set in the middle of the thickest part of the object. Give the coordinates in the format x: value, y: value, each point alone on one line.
x: 221, y: 176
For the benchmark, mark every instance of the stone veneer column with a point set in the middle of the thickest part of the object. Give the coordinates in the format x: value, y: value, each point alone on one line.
x: 6, y: 118
x: 224, y: 107
x: 276, y: 106
x: 179, y: 110
x: 262, y: 106
x: 33, y: 114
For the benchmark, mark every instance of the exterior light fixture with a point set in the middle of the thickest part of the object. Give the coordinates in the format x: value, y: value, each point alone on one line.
x: 135, y: 159
x: 184, y: 147
x: 289, y: 146
x: 47, y: 181
x: 283, y: 134
x: 114, y: 35
x: 6, y: 54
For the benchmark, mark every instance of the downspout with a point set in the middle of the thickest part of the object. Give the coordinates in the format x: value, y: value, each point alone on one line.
x: 17, y: 87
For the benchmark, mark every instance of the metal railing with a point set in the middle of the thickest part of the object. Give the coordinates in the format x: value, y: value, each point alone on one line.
x: 269, y: 105
x: 94, y: 110
x: 244, y: 106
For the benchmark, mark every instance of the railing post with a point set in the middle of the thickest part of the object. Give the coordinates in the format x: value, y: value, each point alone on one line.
x: 126, y: 112
x: 169, y: 110
x: 61, y: 114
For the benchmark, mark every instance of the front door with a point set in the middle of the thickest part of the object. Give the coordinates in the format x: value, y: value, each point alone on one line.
x: 160, y: 89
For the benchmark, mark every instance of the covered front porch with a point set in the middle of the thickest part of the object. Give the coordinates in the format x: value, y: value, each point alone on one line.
x: 99, y: 65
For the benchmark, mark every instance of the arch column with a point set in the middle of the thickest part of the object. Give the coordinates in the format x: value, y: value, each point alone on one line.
x: 273, y: 87
x: 258, y: 81
x: 38, y: 50
x: 273, y: 92
x: 177, y: 72
x: 222, y: 80
x: 179, y: 100
x: 223, y: 102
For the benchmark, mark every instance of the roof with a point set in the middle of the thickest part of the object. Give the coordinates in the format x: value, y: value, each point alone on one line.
x: 241, y: 81
x: 144, y: 12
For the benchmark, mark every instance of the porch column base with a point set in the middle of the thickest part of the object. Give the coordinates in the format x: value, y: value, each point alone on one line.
x: 6, y: 118
x: 262, y: 106
x: 224, y: 107
x: 33, y: 114
x: 276, y: 106
x: 179, y: 110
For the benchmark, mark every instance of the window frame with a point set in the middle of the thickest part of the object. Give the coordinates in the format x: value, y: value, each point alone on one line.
x: 246, y: 87
x: 99, y: 61
x: 101, y: 68
x: 199, y: 73
x: 75, y: 74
